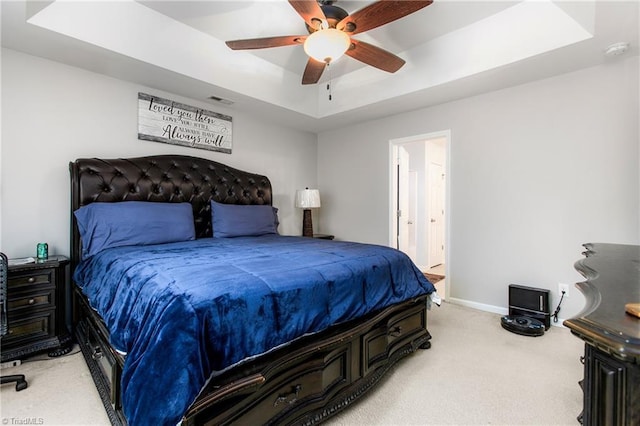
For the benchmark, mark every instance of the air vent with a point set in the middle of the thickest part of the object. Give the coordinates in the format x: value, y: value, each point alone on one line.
x: 221, y: 100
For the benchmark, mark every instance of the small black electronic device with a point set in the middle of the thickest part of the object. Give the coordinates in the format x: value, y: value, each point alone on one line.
x: 530, y: 302
x: 528, y: 311
x: 522, y: 325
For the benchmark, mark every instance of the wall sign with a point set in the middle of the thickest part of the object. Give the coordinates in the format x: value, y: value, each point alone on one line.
x: 163, y: 120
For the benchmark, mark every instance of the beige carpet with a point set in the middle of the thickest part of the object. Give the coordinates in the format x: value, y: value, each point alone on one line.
x: 475, y: 373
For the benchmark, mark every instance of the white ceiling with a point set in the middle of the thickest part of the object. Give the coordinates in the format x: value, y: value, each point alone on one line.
x: 453, y: 49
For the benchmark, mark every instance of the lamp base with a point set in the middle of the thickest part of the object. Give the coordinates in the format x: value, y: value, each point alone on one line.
x: 307, y: 224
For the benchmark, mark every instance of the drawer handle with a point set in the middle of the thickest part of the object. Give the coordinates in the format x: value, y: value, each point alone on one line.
x: 31, y: 280
x: 290, y: 398
x: 395, y: 331
x: 97, y: 354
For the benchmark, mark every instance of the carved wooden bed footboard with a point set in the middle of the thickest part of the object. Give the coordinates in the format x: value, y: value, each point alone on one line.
x: 303, y: 383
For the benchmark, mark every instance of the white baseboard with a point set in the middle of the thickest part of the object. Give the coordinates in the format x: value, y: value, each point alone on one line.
x: 480, y: 306
x: 492, y: 308
x: 9, y: 364
x: 559, y: 323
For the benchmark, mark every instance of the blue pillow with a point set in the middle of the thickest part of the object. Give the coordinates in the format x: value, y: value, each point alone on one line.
x: 233, y: 220
x: 128, y: 223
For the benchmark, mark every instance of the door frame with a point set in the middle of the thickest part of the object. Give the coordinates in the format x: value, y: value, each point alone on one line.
x: 402, y: 203
x: 393, y: 143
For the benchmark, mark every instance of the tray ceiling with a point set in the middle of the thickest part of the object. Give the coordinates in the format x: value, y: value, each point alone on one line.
x: 452, y: 49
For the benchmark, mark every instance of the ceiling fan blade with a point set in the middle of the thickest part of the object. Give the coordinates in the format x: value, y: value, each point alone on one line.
x: 261, y: 43
x: 310, y: 11
x: 313, y: 71
x: 379, y: 13
x: 374, y: 56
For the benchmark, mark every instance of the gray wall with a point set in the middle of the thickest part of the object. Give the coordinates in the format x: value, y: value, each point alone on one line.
x: 536, y: 170
x: 53, y: 114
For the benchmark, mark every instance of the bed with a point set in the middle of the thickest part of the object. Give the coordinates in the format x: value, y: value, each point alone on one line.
x: 190, y: 308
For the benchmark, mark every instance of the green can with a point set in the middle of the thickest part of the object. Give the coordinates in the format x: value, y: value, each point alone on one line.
x: 42, y: 250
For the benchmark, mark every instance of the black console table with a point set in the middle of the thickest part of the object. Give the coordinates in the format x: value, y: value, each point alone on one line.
x: 611, y: 382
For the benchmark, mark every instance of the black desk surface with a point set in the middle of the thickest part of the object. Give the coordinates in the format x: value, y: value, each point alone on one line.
x: 613, y: 280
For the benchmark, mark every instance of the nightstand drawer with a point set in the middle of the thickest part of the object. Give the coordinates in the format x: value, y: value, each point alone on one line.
x: 28, y: 279
x: 35, y: 327
x: 25, y: 301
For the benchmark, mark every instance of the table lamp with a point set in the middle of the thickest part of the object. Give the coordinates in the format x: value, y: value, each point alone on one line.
x: 307, y: 199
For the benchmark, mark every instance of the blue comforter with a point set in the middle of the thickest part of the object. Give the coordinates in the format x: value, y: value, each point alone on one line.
x: 183, y: 311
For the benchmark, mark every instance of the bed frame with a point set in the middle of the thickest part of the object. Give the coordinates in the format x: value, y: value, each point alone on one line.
x: 304, y: 382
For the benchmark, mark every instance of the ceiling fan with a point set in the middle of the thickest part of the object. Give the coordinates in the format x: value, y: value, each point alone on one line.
x: 330, y: 29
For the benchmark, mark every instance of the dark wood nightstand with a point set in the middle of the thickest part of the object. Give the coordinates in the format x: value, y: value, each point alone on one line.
x: 323, y: 236
x: 36, y: 309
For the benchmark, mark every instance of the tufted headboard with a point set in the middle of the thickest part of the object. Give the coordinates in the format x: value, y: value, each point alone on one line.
x: 162, y: 178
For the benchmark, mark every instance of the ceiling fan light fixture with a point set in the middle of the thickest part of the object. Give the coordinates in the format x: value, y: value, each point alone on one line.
x: 327, y: 45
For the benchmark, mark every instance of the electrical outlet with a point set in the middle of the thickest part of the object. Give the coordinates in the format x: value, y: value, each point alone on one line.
x: 563, y: 287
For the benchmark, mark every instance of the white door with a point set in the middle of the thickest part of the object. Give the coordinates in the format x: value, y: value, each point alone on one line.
x: 436, y: 214
x: 403, y: 200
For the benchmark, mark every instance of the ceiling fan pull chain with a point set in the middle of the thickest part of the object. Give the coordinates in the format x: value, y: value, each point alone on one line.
x: 330, y: 79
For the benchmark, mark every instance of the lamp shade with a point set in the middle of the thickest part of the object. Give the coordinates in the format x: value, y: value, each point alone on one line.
x: 327, y: 45
x: 308, y: 198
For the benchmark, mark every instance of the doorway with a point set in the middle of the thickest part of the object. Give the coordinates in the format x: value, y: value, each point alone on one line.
x: 419, y: 201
